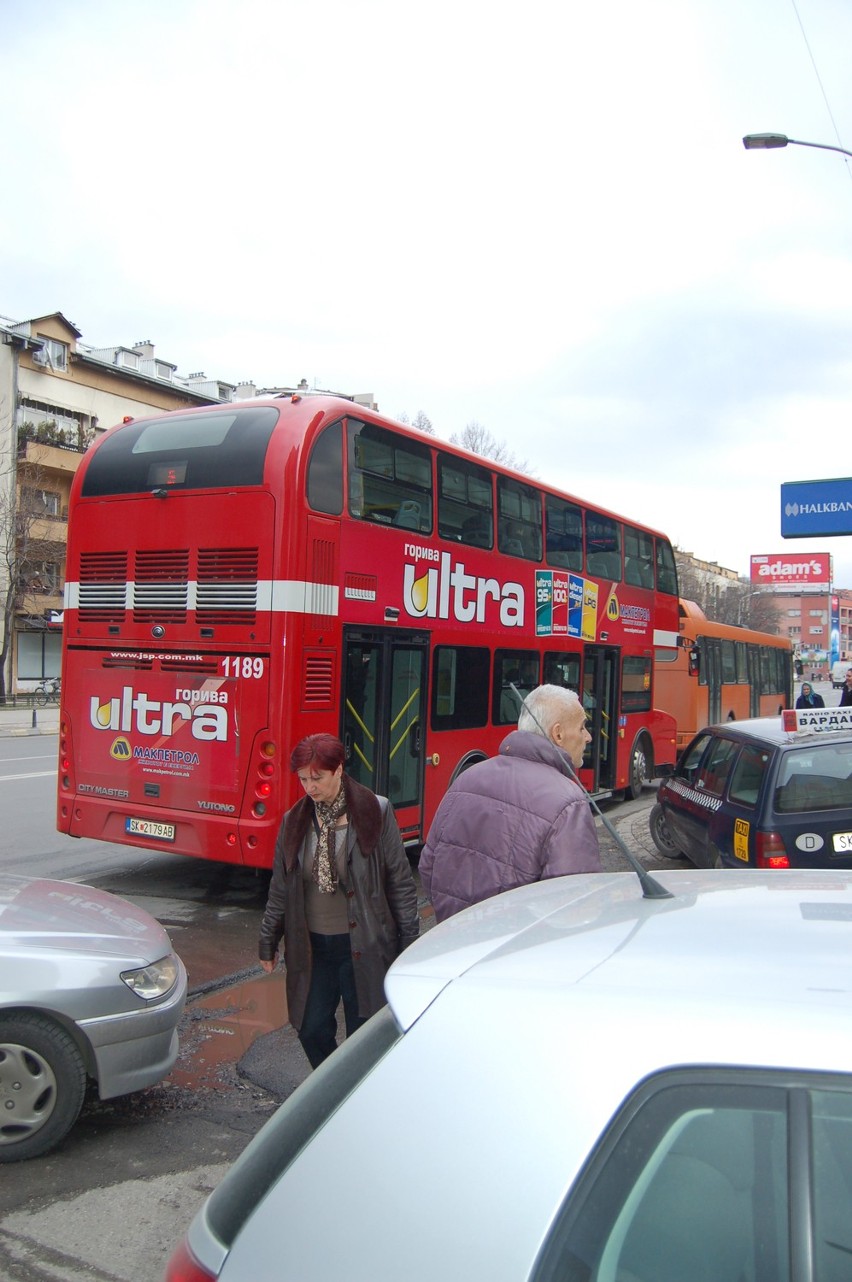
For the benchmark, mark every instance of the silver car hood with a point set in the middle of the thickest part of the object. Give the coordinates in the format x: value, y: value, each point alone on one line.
x: 48, y: 916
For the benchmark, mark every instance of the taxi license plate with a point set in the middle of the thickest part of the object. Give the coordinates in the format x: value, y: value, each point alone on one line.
x: 149, y: 828
x: 842, y: 842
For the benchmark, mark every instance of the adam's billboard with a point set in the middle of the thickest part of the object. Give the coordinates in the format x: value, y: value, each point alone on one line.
x: 783, y: 573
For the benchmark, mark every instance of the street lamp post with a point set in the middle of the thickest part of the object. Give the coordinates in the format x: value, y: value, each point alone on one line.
x: 766, y: 142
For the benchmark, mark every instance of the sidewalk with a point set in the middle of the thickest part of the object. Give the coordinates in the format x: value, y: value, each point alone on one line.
x: 23, y: 721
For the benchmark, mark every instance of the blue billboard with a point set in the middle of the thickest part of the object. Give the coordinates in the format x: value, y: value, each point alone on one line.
x: 816, y: 507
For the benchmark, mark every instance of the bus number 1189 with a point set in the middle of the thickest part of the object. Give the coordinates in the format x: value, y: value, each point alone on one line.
x: 242, y: 666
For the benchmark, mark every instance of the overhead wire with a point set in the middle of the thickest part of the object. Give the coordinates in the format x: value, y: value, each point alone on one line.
x: 837, y: 136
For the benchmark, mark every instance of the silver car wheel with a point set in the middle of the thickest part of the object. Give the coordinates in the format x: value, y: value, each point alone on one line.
x: 42, y: 1083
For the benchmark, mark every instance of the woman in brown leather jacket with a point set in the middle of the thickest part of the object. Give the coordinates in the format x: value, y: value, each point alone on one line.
x: 342, y: 896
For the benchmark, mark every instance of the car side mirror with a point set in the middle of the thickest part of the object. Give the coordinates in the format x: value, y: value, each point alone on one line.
x: 694, y: 657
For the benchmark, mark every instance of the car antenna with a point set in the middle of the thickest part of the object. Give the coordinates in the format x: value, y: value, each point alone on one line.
x: 651, y: 888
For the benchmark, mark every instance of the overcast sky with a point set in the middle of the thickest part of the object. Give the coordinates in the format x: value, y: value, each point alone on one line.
x: 538, y: 216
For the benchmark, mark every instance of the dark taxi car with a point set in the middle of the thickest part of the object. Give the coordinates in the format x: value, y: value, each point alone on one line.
x: 756, y: 794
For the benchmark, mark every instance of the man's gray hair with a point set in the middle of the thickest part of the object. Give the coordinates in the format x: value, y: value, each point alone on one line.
x: 544, y: 706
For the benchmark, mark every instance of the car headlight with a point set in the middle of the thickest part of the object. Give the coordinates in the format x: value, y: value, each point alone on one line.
x: 154, y: 980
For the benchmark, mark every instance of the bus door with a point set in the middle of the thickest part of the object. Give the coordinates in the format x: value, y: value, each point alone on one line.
x: 599, y: 695
x: 754, y: 682
x: 384, y: 703
x: 711, y: 674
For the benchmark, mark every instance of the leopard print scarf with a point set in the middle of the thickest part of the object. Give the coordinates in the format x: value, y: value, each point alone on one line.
x: 325, y: 866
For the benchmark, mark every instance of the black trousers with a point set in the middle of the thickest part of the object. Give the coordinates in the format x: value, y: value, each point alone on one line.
x: 332, y: 980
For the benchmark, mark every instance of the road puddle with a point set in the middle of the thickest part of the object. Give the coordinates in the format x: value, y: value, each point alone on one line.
x: 218, y: 1029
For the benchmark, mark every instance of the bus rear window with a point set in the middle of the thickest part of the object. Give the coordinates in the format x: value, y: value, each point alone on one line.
x: 214, y: 451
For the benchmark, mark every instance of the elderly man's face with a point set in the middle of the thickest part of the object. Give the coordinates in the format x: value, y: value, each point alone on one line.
x: 570, y: 733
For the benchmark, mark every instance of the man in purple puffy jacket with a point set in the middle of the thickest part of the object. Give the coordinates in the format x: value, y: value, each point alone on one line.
x: 519, y: 816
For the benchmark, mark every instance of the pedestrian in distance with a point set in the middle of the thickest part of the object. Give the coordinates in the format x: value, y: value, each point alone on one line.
x: 846, y: 692
x: 342, y: 898
x: 518, y: 817
x: 808, y: 698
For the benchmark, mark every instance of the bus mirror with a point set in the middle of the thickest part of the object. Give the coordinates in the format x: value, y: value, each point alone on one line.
x: 693, y: 660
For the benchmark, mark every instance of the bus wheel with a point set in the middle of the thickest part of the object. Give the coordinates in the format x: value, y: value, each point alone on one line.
x: 472, y: 759
x: 641, y: 767
x: 660, y: 834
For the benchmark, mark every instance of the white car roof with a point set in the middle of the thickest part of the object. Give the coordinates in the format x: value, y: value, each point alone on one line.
x: 725, y: 938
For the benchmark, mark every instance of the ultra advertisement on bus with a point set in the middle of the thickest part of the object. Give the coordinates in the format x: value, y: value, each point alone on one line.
x: 441, y: 586
x: 162, y: 739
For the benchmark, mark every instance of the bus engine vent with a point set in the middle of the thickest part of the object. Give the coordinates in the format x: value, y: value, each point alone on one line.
x: 161, y: 586
x: 103, y: 587
x: 318, y: 688
x: 226, y: 590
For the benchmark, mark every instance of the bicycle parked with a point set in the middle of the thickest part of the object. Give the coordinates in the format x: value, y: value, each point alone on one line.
x: 48, y: 691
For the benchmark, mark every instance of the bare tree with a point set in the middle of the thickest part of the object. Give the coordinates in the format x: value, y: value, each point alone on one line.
x: 421, y: 422
x: 735, y: 601
x: 479, y: 440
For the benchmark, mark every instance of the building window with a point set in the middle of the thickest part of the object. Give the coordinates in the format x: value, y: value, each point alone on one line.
x: 40, y: 502
x: 53, y: 355
x: 42, y: 577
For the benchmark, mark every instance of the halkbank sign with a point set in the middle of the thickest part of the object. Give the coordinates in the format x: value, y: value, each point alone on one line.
x: 816, y: 508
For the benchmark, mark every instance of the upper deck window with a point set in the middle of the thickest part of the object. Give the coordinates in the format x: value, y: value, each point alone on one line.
x: 638, y: 558
x: 603, y: 546
x: 465, y: 502
x: 519, y: 519
x: 215, y: 451
x: 666, y: 568
x: 563, y: 529
x: 390, y: 478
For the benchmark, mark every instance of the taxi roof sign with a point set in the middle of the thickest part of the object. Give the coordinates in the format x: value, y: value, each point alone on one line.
x: 817, y: 720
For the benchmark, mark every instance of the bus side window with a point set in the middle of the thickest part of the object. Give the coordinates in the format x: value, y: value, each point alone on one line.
x: 562, y: 669
x: 563, y: 532
x: 638, y: 558
x: 666, y: 568
x: 460, y: 687
x: 603, y: 547
x: 390, y: 481
x: 518, y: 668
x: 519, y: 525
x: 465, y: 502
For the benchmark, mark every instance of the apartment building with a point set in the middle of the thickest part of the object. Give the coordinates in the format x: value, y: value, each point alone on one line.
x: 56, y: 394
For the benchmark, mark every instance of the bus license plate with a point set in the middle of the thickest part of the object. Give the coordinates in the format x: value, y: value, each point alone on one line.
x: 149, y: 828
x: 842, y: 843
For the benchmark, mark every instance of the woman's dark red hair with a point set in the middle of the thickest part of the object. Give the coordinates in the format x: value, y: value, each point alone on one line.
x: 324, y: 751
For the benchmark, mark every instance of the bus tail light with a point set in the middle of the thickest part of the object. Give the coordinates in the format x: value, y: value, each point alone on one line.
x: 771, y: 851
x: 266, y: 772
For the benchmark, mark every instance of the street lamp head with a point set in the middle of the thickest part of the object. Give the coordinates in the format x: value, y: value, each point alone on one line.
x: 762, y: 142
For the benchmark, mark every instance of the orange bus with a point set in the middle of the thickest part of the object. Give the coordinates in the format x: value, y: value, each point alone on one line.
x: 242, y: 575
x: 721, y: 672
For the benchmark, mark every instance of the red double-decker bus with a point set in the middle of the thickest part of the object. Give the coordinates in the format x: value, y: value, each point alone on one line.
x: 241, y: 576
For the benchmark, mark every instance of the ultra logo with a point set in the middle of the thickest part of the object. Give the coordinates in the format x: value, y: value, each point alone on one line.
x: 131, y: 712
x: 447, y: 591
